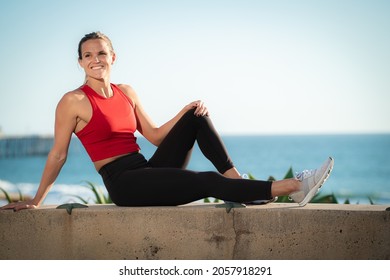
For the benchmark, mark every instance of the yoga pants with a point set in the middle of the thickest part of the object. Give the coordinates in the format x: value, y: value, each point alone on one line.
x: 162, y: 181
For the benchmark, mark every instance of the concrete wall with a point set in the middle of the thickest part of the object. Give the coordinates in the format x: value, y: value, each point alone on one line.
x: 276, y: 231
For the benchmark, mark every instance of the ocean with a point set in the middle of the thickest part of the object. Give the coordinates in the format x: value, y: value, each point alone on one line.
x: 361, y: 173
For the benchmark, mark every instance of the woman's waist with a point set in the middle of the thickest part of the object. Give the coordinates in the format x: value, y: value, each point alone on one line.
x: 116, y: 164
x: 100, y: 163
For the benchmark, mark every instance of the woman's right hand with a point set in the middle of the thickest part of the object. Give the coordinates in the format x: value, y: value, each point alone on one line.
x: 200, y: 108
x: 16, y: 206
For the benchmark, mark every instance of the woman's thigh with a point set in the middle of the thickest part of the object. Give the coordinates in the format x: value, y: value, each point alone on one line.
x: 176, y: 148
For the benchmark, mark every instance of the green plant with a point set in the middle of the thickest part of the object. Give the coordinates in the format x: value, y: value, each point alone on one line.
x: 6, y: 194
x: 207, y: 200
x: 100, y: 197
x: 9, y: 196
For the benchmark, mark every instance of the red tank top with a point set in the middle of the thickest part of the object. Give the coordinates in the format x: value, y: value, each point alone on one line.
x: 110, y: 132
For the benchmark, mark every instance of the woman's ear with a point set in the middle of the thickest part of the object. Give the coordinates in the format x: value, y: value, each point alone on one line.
x: 113, y: 58
x: 79, y: 60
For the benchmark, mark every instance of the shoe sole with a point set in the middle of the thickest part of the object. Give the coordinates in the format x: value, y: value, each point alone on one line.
x: 262, y: 202
x: 317, y: 187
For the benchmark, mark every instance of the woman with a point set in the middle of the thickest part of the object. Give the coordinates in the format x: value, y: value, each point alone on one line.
x: 105, y: 116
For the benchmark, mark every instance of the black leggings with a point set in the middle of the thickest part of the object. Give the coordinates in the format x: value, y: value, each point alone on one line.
x: 162, y: 181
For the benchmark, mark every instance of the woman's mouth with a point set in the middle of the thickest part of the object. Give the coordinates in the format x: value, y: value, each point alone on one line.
x: 97, y: 67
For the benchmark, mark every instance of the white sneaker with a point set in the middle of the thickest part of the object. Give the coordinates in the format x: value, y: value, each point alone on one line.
x: 312, y: 181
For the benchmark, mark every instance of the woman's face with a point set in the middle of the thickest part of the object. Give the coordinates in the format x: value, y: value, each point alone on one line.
x: 96, y: 59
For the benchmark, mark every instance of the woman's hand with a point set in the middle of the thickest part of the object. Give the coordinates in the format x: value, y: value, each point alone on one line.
x: 16, y: 206
x: 200, y: 108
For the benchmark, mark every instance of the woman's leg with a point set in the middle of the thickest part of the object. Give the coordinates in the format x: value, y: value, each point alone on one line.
x: 284, y: 187
x: 175, y: 186
x: 163, y: 181
x: 175, y: 150
x: 144, y: 186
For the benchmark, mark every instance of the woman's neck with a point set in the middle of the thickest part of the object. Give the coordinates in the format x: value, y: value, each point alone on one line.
x: 103, y: 88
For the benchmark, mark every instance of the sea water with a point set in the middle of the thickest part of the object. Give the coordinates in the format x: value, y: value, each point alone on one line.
x: 361, y: 173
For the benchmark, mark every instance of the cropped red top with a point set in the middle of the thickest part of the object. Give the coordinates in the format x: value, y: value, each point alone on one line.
x: 110, y: 132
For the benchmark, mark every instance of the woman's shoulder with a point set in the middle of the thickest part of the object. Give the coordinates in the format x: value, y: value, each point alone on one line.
x: 72, y: 97
x: 76, y: 94
x: 128, y: 91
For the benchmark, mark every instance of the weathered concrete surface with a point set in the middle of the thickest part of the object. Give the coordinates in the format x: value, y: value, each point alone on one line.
x: 276, y: 231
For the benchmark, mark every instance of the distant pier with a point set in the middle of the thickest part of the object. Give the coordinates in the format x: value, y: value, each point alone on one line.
x: 20, y: 146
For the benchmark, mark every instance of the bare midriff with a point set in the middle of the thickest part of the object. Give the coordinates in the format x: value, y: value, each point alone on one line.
x: 100, y: 163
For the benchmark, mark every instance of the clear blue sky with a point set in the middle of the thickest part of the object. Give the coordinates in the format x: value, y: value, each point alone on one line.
x: 262, y: 67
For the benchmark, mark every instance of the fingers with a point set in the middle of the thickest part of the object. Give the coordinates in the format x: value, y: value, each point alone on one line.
x: 8, y: 206
x: 24, y: 206
x: 16, y: 206
x: 200, y: 108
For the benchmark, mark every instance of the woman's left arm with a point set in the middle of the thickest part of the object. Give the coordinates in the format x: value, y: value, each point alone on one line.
x: 148, y: 128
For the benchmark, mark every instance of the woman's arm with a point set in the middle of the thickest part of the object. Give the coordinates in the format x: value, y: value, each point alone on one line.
x: 65, y: 122
x: 146, y: 126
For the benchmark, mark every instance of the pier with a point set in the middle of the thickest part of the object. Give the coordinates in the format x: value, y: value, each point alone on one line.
x: 18, y: 146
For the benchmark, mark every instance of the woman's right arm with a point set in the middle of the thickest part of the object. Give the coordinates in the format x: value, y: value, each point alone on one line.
x: 65, y: 122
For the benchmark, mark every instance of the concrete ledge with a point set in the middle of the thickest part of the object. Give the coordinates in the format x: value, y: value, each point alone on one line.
x: 276, y: 231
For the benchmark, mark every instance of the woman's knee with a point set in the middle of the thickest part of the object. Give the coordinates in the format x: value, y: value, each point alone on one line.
x: 200, y: 121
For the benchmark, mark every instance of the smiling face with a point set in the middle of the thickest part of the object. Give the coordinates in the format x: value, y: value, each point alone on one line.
x: 96, y: 59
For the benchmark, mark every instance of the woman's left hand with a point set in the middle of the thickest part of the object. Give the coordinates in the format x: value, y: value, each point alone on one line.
x: 20, y: 205
x: 200, y: 108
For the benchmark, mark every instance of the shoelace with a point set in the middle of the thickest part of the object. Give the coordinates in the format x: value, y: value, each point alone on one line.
x: 304, y: 174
